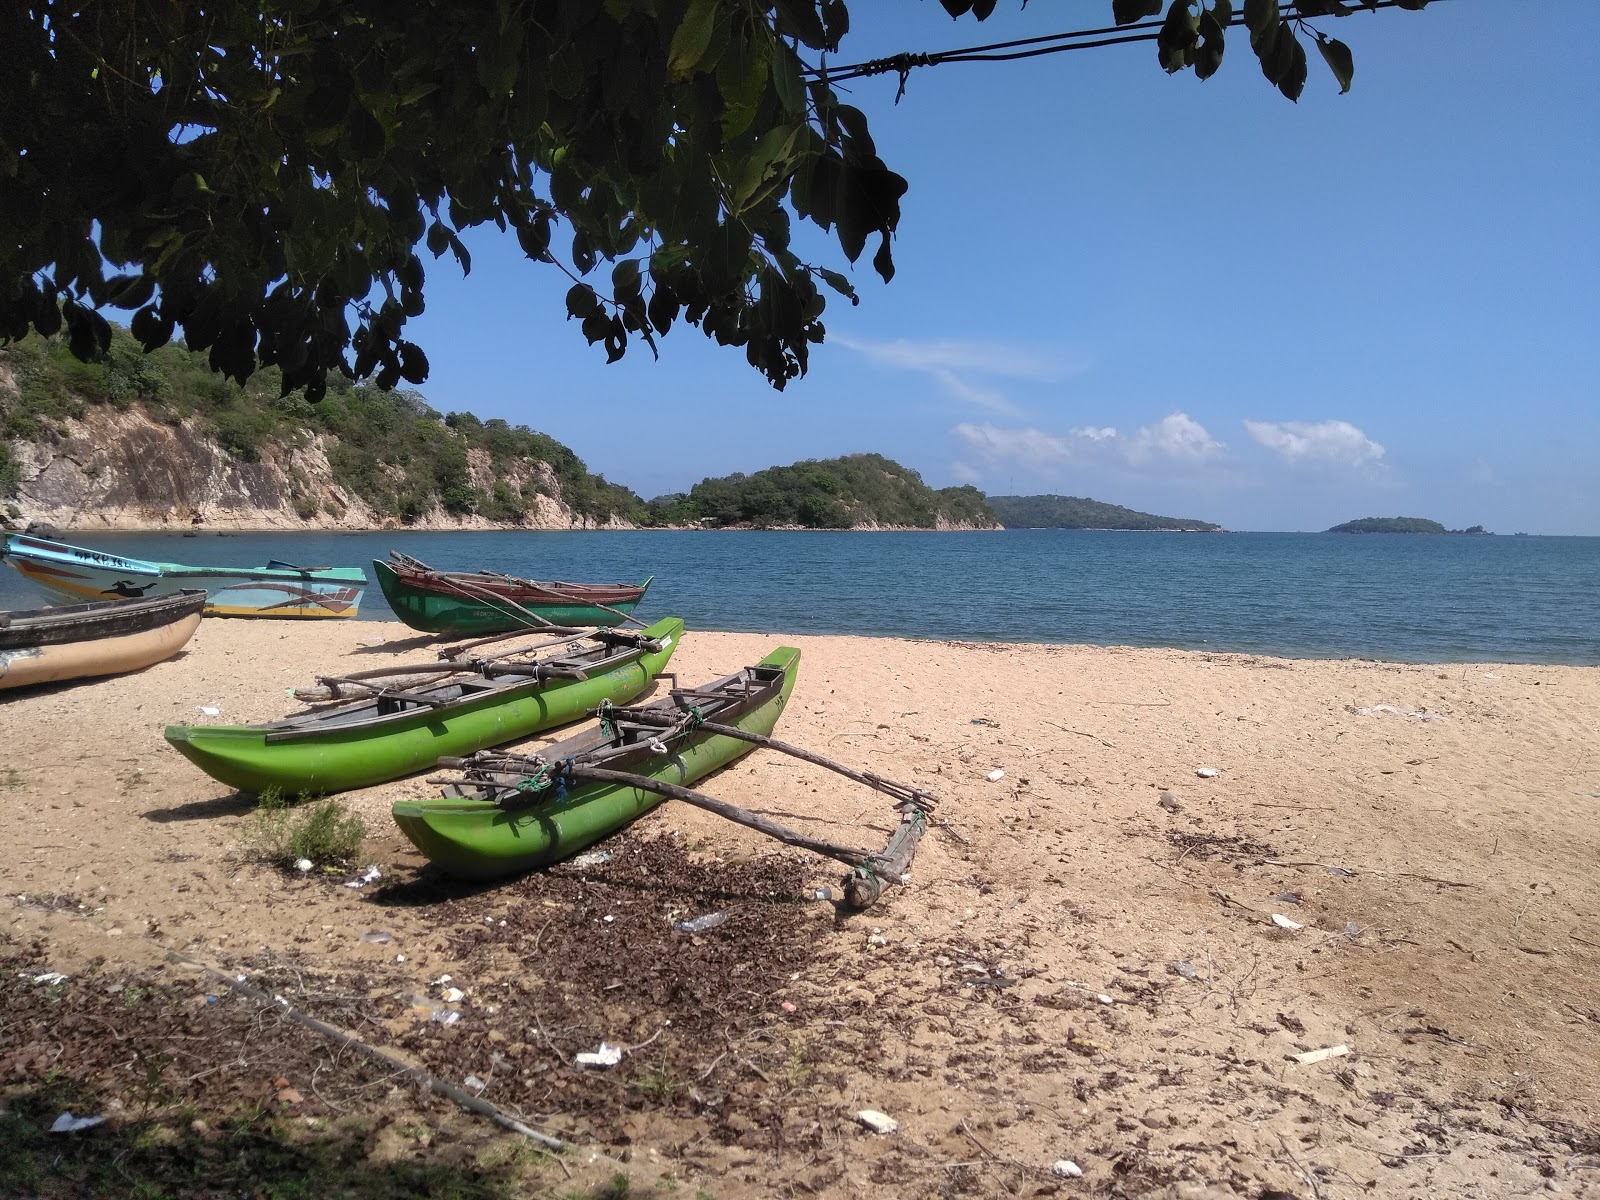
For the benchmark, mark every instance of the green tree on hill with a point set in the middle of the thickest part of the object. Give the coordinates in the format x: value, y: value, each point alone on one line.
x: 836, y: 493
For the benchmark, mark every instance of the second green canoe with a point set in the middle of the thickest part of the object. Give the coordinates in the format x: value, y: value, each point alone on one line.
x: 493, y: 824
x: 377, y: 740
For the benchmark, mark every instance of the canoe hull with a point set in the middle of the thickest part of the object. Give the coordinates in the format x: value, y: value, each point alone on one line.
x: 73, y: 574
x: 251, y: 759
x: 433, y: 611
x: 473, y: 839
x: 112, y: 639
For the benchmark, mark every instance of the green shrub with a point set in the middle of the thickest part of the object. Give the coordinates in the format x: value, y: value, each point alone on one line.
x: 325, y: 832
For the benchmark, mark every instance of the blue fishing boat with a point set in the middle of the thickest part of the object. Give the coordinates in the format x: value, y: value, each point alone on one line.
x: 73, y: 574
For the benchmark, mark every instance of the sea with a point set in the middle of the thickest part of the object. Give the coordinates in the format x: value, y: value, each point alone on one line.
x: 1395, y: 597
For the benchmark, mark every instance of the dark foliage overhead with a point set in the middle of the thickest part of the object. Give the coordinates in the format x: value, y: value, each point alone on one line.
x: 270, y: 179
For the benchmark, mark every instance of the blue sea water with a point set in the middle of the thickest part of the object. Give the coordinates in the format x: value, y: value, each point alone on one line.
x: 1399, y: 597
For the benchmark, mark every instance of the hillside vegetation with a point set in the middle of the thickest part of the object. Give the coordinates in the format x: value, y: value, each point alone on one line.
x: 831, y: 493
x: 1079, y: 512
x: 1400, y: 525
x: 387, y: 447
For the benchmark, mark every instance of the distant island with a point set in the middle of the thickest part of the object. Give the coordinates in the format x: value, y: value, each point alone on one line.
x: 1079, y: 512
x: 856, y: 491
x: 1401, y: 525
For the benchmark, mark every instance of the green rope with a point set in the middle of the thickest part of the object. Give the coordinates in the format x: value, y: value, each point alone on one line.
x: 608, y: 725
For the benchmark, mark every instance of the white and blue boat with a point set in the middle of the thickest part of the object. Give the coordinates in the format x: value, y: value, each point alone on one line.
x: 73, y: 574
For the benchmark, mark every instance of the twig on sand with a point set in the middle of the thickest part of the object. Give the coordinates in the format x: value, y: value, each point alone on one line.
x: 1091, y: 736
x: 1311, y: 1180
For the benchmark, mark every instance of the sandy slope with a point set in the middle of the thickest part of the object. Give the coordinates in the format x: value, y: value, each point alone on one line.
x: 1443, y: 871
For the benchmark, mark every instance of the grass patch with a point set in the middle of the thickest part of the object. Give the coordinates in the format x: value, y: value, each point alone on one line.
x: 325, y: 832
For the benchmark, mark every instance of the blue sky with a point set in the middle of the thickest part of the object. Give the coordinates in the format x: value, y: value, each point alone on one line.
x: 1190, y: 298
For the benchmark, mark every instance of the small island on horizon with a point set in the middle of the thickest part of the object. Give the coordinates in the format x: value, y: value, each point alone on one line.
x: 1080, y: 512
x: 1404, y: 525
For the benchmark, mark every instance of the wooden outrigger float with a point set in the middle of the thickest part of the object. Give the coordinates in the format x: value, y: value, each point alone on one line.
x: 506, y: 812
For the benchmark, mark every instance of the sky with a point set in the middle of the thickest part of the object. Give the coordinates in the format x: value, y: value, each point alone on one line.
x: 1190, y: 298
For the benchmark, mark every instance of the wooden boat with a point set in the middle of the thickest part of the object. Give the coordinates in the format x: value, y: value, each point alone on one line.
x: 109, y: 637
x: 279, y: 589
x: 467, y: 603
x: 392, y: 732
x: 501, y: 819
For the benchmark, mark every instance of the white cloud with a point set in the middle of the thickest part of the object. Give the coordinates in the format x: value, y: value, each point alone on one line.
x: 965, y: 472
x: 1328, y: 443
x: 1030, y: 447
x: 1177, y: 438
x: 960, y: 367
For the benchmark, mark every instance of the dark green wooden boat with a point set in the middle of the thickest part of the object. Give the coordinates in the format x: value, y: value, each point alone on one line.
x: 468, y: 603
x: 404, y: 731
x: 500, y: 820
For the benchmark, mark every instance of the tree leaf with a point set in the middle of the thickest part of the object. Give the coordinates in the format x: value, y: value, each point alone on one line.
x: 1126, y: 12
x: 1293, y: 79
x: 1339, y: 59
x: 692, y: 38
x: 786, y: 78
x: 581, y: 300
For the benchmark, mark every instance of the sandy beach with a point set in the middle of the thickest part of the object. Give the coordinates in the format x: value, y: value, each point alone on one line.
x: 1395, y: 860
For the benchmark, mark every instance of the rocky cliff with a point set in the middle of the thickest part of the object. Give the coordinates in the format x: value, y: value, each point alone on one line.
x: 140, y: 466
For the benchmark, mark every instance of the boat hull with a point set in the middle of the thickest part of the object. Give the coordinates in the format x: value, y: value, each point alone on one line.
x: 73, y: 574
x: 51, y: 646
x: 473, y: 839
x: 433, y: 611
x: 316, y: 763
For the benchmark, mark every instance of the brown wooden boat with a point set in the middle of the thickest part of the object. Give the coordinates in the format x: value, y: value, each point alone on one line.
x: 110, y: 637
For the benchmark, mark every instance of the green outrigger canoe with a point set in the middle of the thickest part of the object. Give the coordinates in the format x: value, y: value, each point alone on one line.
x: 498, y: 820
x: 396, y: 733
x: 469, y: 603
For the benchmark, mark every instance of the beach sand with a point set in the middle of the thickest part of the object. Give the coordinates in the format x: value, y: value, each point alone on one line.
x: 1074, y: 971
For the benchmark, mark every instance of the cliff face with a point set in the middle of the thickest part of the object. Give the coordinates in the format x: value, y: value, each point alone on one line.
x: 127, y: 469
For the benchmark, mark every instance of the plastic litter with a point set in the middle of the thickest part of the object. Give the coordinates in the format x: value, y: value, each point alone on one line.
x: 452, y: 995
x: 1103, y: 998
x: 701, y: 924
x: 208, y: 710
x: 1288, y: 897
x: 473, y: 1083
x: 1283, y: 922
x: 789, y: 1006
x: 1184, y: 968
x: 50, y: 978
x: 303, y: 864
x: 442, y: 980
x: 1327, y: 1052
x: 446, y: 1016
x: 1352, y: 931
x: 1207, y: 772
x: 606, y: 1056
x: 368, y: 876
x: 822, y: 893
x: 876, y: 1121
x: 989, y: 721
x: 1168, y: 801
x: 376, y: 936
x: 67, y: 1123
x: 593, y: 858
x: 996, y: 775
x: 1065, y: 1168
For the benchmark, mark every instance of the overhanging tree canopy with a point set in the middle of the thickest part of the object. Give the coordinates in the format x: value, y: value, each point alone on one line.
x: 254, y: 176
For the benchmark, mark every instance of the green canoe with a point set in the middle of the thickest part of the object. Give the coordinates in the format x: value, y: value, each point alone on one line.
x: 492, y: 824
x: 463, y: 603
x: 393, y: 735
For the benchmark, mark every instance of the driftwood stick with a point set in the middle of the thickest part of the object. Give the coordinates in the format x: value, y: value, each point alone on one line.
x: 460, y: 648
x: 903, y: 792
x: 338, y: 682
x: 789, y: 837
